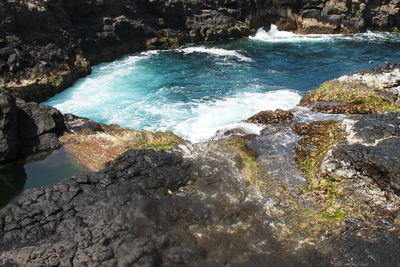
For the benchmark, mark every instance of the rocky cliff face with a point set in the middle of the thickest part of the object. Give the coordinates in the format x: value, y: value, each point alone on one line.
x: 46, y: 45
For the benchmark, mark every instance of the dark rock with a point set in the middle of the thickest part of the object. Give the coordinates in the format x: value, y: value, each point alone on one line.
x: 135, y: 212
x: 373, y: 150
x: 9, y: 142
x: 12, y: 59
x: 35, y: 120
x: 2, y: 64
x: 370, y: 129
x: 380, y: 162
x: 39, y: 127
x: 125, y: 30
x: 271, y: 117
x: 42, y: 142
x: 14, y: 67
x: 342, y: 108
x: 76, y: 124
x: 137, y: 184
x: 311, y: 13
x: 27, y: 127
x: 359, y: 244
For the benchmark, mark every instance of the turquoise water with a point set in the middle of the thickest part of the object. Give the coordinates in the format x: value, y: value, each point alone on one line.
x: 197, y: 90
x: 39, y: 170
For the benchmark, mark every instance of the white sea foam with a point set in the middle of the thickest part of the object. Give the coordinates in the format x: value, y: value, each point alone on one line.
x: 220, y: 52
x: 124, y: 65
x: 276, y: 36
x: 209, y: 117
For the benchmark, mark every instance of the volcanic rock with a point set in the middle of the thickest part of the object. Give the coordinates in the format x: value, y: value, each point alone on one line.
x: 271, y: 117
x: 9, y: 141
x: 27, y: 128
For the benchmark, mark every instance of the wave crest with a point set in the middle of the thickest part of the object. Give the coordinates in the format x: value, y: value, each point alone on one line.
x: 276, y: 36
x: 220, y: 52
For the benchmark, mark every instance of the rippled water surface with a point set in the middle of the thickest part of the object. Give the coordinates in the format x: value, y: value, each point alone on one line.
x: 197, y: 90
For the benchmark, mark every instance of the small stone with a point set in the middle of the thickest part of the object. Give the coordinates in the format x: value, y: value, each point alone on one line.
x: 12, y: 59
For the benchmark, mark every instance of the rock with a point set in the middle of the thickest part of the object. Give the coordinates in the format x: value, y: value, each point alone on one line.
x: 9, y: 142
x: 124, y: 29
x: 380, y: 162
x: 77, y: 124
x: 35, y: 120
x: 352, y: 167
x: 187, y: 206
x: 12, y: 59
x: 2, y: 65
x: 370, y: 91
x: 95, y: 144
x: 138, y: 210
x: 27, y: 127
x: 342, y: 108
x: 271, y: 117
x: 371, y: 150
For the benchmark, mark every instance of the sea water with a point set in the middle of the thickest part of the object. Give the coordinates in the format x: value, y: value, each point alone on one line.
x: 195, y: 91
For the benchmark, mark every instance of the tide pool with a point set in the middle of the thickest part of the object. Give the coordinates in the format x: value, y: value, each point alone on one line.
x: 38, y: 170
x: 196, y: 90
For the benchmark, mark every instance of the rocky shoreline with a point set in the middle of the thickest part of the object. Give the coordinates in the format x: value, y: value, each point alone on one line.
x: 230, y: 201
x: 45, y: 46
x: 302, y: 193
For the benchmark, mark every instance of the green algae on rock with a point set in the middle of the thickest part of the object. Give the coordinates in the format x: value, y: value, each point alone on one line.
x: 369, y: 91
x: 95, y: 144
x: 247, y: 157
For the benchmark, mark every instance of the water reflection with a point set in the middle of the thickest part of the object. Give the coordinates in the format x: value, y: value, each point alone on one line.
x: 39, y: 170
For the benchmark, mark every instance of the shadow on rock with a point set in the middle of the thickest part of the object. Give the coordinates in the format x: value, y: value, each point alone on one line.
x: 12, y: 181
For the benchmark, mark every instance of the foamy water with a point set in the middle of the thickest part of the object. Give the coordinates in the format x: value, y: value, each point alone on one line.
x: 274, y: 36
x: 214, y: 51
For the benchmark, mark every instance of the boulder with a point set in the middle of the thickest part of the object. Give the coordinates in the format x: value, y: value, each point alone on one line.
x: 27, y: 127
x: 271, y: 117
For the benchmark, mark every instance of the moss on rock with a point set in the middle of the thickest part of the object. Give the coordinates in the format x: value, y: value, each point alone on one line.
x: 94, y: 149
x: 318, y: 138
x: 249, y: 166
x: 353, y: 97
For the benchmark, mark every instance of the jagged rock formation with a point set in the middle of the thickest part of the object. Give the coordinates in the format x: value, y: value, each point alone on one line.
x: 349, y: 16
x: 46, y: 45
x: 27, y: 128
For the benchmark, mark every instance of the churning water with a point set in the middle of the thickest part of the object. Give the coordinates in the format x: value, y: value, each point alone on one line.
x: 197, y: 90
